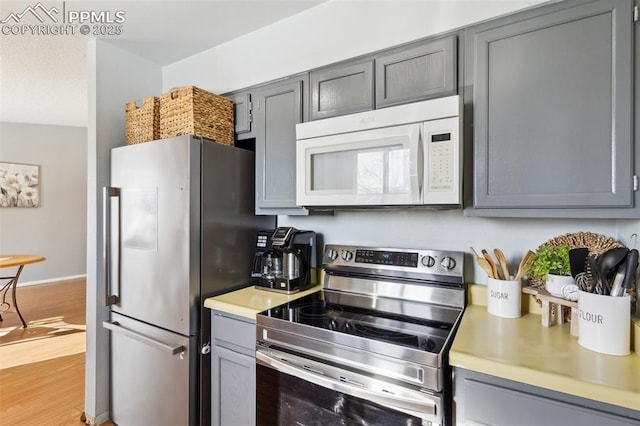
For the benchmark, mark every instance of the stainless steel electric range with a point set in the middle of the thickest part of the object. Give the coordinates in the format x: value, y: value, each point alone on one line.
x: 370, y: 348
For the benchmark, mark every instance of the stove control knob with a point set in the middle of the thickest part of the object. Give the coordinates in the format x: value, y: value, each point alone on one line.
x: 332, y: 254
x: 347, y: 255
x: 448, y: 263
x: 428, y: 261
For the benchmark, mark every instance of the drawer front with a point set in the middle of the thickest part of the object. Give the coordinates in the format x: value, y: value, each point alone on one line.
x: 488, y: 404
x: 235, y: 331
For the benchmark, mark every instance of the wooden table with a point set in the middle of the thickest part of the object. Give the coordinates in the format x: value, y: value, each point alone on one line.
x: 13, y: 260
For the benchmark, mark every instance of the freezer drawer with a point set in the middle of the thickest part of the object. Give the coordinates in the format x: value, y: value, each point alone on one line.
x: 153, y: 374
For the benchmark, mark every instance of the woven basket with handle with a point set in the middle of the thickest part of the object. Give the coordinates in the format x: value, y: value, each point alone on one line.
x: 190, y: 110
x: 142, y: 120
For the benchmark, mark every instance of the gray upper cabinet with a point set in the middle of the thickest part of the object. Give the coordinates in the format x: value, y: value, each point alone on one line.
x: 341, y: 89
x: 277, y: 108
x: 552, y: 105
x: 242, y: 115
x: 422, y: 71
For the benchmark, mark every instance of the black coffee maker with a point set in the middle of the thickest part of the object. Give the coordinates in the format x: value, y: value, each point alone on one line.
x: 285, y: 260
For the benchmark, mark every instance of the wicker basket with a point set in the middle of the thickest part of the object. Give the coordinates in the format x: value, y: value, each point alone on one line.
x: 142, y: 123
x: 193, y: 111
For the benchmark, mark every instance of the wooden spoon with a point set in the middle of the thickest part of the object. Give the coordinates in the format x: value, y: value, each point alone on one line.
x: 502, y: 260
x: 475, y: 253
x: 526, y: 260
x: 492, y: 264
x: 484, y: 264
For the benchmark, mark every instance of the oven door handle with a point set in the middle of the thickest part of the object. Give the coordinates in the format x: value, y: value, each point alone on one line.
x: 419, y: 406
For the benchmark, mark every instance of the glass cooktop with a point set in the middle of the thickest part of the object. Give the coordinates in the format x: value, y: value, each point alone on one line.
x: 370, y: 317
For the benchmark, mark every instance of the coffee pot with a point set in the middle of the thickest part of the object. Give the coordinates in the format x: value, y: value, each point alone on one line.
x: 271, y: 265
x: 285, y: 260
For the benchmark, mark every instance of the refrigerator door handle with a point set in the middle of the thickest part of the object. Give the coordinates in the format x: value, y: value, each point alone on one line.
x: 116, y: 327
x: 107, y: 194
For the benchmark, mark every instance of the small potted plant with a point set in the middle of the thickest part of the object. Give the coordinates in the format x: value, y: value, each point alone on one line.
x: 551, y: 264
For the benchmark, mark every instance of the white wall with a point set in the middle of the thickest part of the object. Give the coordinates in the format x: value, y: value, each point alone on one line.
x: 452, y: 231
x: 56, y: 229
x: 330, y: 32
x: 341, y: 29
x: 115, y: 77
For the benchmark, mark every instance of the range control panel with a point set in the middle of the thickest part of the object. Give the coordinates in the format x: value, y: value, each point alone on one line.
x: 412, y: 261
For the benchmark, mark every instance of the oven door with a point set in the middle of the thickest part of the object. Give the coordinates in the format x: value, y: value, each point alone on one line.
x: 293, y: 390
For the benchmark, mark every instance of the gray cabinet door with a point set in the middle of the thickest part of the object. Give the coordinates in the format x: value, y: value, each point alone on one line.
x: 234, y: 401
x: 277, y: 109
x: 341, y: 89
x: 242, y: 114
x: 480, y: 399
x: 417, y: 72
x: 553, y: 107
x: 233, y: 371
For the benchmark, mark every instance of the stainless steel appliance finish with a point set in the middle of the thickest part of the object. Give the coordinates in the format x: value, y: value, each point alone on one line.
x: 375, y: 339
x: 179, y: 227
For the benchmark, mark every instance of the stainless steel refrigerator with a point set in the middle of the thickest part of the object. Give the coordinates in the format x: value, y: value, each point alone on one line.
x: 179, y: 227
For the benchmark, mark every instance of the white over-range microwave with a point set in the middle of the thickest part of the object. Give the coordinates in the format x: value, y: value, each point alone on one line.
x: 407, y: 155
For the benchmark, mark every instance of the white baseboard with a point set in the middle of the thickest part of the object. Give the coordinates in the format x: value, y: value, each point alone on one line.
x: 51, y: 280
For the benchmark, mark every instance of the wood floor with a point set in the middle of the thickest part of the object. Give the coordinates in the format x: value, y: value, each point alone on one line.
x: 42, y: 366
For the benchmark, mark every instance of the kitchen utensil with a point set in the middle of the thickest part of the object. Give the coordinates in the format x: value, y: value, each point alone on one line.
x: 502, y: 260
x: 608, y: 261
x: 616, y: 287
x: 630, y: 270
x: 484, y: 264
x: 593, y: 272
x: 577, y: 260
x: 492, y: 263
x: 475, y: 253
x: 524, y: 263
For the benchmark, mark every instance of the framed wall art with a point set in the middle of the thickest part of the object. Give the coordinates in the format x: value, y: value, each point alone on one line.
x: 19, y: 185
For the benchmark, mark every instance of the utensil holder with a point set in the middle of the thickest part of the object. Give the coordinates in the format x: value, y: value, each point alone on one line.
x: 503, y: 298
x: 604, y: 323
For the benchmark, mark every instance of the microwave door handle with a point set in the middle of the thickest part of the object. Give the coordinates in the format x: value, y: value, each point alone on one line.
x: 411, y: 406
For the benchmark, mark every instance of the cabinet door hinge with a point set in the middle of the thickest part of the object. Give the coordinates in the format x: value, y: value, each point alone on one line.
x: 250, y: 109
x: 635, y: 13
x: 635, y: 182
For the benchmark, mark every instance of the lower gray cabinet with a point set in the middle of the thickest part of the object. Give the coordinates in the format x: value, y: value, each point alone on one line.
x: 233, y: 370
x: 480, y: 399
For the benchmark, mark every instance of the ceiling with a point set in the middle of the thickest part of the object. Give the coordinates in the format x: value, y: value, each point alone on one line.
x: 43, y: 78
